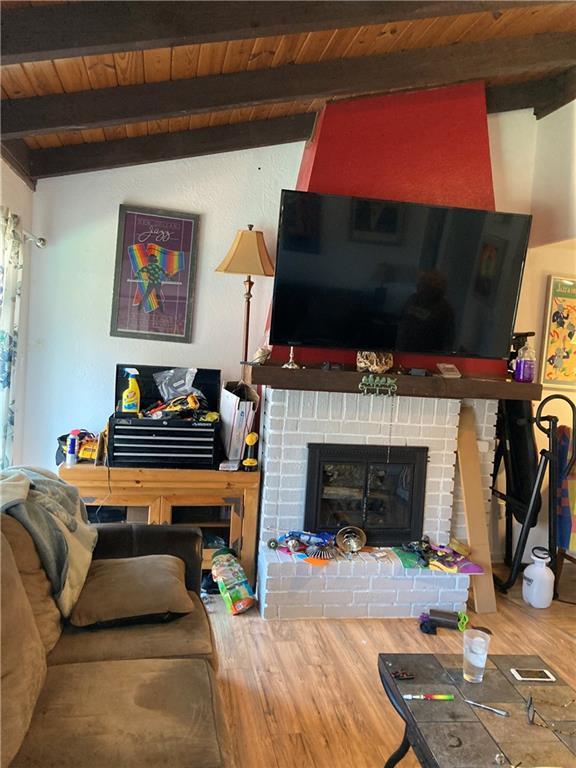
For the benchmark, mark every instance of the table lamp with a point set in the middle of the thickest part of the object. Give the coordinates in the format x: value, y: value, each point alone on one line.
x: 247, y: 256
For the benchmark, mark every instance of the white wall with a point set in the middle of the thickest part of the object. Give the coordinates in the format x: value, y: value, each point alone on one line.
x: 533, y: 164
x: 554, y: 190
x: 18, y: 197
x: 72, y: 357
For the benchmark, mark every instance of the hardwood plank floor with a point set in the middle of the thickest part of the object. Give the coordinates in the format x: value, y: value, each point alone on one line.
x: 307, y: 693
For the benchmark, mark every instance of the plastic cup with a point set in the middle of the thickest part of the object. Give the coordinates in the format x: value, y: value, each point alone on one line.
x: 475, y: 655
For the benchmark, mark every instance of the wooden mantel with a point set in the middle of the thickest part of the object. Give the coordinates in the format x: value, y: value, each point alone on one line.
x: 319, y: 380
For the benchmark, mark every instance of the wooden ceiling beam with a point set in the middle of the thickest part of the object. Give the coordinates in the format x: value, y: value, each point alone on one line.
x: 17, y: 154
x: 79, y: 158
x: 37, y: 33
x: 544, y: 96
x: 404, y: 70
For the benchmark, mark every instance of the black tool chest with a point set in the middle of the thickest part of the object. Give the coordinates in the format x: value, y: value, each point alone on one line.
x: 169, y: 443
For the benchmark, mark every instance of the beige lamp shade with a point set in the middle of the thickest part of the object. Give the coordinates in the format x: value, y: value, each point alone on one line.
x: 248, y: 255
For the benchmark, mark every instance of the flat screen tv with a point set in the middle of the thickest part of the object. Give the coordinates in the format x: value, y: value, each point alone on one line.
x: 381, y: 275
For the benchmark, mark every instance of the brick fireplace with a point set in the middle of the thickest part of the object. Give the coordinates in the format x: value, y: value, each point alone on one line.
x: 363, y: 587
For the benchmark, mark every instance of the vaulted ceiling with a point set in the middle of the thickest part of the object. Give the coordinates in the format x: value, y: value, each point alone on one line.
x: 94, y: 85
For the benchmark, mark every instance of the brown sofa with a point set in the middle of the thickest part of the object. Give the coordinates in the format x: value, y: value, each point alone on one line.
x: 132, y: 696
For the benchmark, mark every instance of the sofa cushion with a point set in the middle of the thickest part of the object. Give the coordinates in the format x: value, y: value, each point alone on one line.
x: 187, y: 636
x: 23, y: 659
x: 128, y: 590
x: 36, y: 584
x: 134, y: 714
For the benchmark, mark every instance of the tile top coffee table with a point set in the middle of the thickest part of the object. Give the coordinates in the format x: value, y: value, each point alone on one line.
x: 453, y: 734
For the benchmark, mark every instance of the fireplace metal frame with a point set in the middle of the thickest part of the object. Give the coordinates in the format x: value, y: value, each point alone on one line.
x: 321, y: 453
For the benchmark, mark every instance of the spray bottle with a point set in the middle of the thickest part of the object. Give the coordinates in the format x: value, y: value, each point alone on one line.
x: 131, y: 395
x: 538, y: 580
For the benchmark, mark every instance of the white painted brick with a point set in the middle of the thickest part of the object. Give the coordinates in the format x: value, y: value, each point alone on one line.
x: 426, y: 584
x: 336, y: 405
x: 293, y: 468
x: 272, y: 481
x: 351, y: 568
x: 268, y: 611
x: 418, y: 596
x: 360, y: 428
x: 276, y: 395
x: 323, y: 405
x: 381, y: 597
x: 292, y: 481
x: 272, y: 454
x: 428, y: 410
x: 446, y: 581
x: 349, y: 438
x: 350, y: 407
x: 294, y: 404
x: 299, y: 611
x: 270, y: 494
x: 303, y: 583
x: 269, y: 522
x: 308, y: 405
x: 281, y: 569
x: 383, y: 583
x: 277, y: 411
x: 388, y: 611
x: 415, y: 410
x: 292, y: 523
x: 344, y: 597
x: 315, y: 426
x: 418, y: 608
x: 273, y: 468
x: 364, y: 405
x: 402, y: 411
x: 453, y: 595
x: 274, y: 585
x: 297, y: 438
x: 347, y: 582
x: 345, y: 611
x: 463, y: 581
x: 274, y: 439
x: 291, y: 453
x: 287, y: 598
x: 377, y: 409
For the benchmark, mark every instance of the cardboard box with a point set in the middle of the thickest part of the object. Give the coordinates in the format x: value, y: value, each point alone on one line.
x: 237, y: 413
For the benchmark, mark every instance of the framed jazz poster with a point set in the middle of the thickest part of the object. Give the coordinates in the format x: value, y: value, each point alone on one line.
x: 156, y: 256
x: 558, y: 365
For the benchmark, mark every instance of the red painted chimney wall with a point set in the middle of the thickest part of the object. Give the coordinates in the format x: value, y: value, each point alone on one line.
x: 427, y: 147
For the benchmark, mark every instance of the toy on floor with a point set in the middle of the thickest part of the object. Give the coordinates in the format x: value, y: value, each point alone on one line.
x: 232, y: 582
x: 429, y: 622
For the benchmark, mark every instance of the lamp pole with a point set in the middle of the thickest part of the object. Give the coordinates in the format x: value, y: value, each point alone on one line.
x: 248, y: 283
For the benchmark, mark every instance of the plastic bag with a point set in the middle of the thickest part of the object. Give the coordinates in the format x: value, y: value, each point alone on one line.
x: 232, y: 582
x: 176, y: 382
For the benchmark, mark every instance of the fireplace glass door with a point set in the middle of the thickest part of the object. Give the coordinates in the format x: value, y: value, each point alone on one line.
x: 377, y: 489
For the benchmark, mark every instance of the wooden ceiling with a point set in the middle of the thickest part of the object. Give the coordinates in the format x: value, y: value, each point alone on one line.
x: 93, y: 85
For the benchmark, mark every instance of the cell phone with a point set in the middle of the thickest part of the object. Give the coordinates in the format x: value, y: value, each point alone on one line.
x: 533, y: 675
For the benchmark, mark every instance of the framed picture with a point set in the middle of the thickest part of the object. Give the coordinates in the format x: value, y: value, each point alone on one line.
x: 558, y: 363
x: 156, y: 255
x: 374, y: 221
x: 489, y: 268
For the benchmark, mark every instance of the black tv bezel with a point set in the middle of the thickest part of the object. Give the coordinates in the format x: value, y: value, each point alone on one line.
x: 345, y: 346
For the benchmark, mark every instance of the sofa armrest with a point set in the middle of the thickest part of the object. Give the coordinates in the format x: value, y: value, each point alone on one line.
x: 136, y: 539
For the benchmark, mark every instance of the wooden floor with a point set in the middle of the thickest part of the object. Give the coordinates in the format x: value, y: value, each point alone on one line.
x: 305, y: 694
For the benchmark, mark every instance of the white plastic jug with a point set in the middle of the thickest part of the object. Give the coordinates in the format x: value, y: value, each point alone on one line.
x: 538, y: 580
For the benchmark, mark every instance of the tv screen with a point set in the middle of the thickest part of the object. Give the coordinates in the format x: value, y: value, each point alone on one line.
x: 381, y: 275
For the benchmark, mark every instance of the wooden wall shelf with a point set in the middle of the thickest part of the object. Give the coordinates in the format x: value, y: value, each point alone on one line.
x: 318, y: 380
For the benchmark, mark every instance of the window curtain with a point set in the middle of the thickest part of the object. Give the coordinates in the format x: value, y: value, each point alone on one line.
x: 11, y: 270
